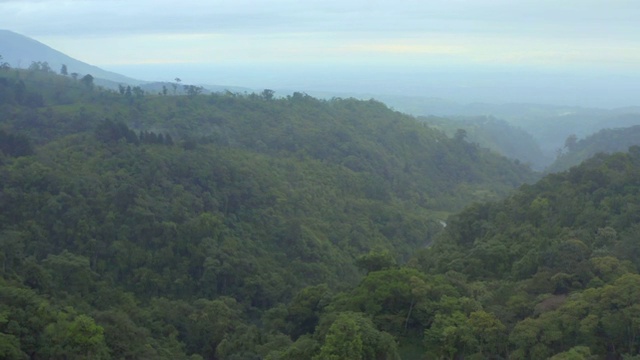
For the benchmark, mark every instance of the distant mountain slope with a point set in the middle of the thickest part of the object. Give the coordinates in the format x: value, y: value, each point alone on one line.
x: 20, y: 51
x: 494, y: 134
x: 550, y: 125
x: 604, y: 141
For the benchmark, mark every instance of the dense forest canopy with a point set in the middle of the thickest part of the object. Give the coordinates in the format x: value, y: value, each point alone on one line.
x: 140, y: 225
x: 247, y: 226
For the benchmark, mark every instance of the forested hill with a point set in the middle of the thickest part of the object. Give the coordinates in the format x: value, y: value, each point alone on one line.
x: 555, y: 265
x: 495, y: 134
x: 605, y: 141
x: 216, y: 226
x: 399, y: 154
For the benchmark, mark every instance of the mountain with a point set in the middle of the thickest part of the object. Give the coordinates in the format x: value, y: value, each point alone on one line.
x: 494, y: 134
x: 212, y: 226
x: 550, y: 125
x: 20, y: 51
x: 558, y: 257
x: 604, y: 141
x: 245, y: 226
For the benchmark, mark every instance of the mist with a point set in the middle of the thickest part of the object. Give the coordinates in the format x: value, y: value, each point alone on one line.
x: 459, y: 84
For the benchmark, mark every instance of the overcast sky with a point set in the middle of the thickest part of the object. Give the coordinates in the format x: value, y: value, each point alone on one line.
x: 575, y: 37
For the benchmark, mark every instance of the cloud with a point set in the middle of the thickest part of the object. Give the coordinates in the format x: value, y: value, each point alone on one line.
x: 98, y: 17
x: 537, y: 33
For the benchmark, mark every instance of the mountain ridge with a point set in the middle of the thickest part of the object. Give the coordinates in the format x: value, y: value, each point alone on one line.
x: 20, y: 51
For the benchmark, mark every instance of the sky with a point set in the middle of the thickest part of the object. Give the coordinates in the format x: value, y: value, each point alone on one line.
x: 465, y: 50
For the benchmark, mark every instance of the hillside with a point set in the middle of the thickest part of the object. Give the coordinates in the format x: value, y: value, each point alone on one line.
x: 228, y: 226
x: 558, y: 258
x: 551, y: 272
x: 494, y: 134
x: 604, y: 141
x: 549, y: 125
x: 20, y: 51
x: 199, y: 226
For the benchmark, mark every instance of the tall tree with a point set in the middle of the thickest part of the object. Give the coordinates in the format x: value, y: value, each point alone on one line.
x: 87, y: 81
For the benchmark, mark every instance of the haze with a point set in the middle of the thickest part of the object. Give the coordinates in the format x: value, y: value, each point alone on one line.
x: 584, y: 53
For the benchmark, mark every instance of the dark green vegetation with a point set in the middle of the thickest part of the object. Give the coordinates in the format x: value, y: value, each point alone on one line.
x: 228, y: 226
x: 137, y: 226
x: 604, y: 141
x: 556, y: 263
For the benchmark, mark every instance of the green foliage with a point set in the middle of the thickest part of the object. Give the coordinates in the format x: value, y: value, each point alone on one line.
x: 343, y: 341
x: 74, y: 338
x: 305, y: 309
x: 576, y: 353
x: 10, y: 348
x: 243, y: 241
x: 108, y: 131
x: 354, y: 336
x: 87, y: 81
x: 376, y: 260
x: 15, y: 145
x: 278, y: 228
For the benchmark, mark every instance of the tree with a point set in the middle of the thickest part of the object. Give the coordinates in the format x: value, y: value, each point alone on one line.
x: 570, y: 142
x: 63, y: 70
x: 489, y: 331
x: 15, y: 145
x: 376, y: 260
x: 526, y: 337
x: 71, y: 272
x: 10, y: 348
x: 451, y: 334
x: 40, y: 66
x: 575, y: 353
x: 343, y: 341
x: 192, y: 90
x: 353, y: 335
x: 80, y: 338
x: 108, y: 131
x: 175, y: 85
x: 4, y: 65
x: 137, y: 92
x: 620, y: 317
x: 305, y: 308
x: 267, y: 94
x: 87, y: 81
x: 461, y: 135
